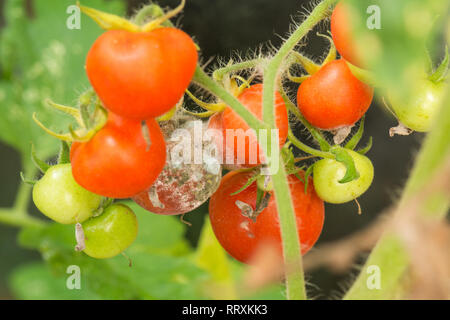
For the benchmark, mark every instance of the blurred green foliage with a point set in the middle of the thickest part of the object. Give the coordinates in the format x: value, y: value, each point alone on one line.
x: 41, y: 58
x: 164, y: 265
x: 398, y: 51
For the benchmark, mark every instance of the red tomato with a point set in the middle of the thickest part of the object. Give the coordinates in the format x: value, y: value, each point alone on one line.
x: 342, y: 34
x: 333, y: 97
x: 230, y: 120
x: 141, y: 75
x: 241, y: 237
x: 116, y: 162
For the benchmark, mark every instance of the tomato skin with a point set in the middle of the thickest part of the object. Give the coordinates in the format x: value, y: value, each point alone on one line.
x: 60, y: 198
x: 342, y: 35
x: 182, y: 187
x: 421, y: 112
x: 241, y: 237
x: 328, y: 172
x: 110, y: 233
x: 251, y: 98
x: 115, y: 162
x: 333, y: 97
x: 141, y: 75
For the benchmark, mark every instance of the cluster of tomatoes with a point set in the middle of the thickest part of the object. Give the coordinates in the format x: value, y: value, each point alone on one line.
x: 123, y: 146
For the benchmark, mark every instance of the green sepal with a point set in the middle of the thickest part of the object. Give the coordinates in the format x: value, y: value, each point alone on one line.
x: 307, y: 174
x: 353, y: 142
x: 441, y: 72
x: 40, y: 164
x: 366, y: 148
x: 248, y: 184
x: 343, y: 157
x: 64, y: 153
x: 27, y: 181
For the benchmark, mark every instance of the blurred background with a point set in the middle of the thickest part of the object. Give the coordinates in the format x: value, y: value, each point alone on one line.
x: 33, y: 36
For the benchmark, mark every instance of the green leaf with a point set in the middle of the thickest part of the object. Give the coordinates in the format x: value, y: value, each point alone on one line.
x: 64, y: 153
x: 41, y: 58
x: 345, y: 158
x: 162, y: 266
x: 395, y: 50
x: 35, y: 281
x: 211, y: 257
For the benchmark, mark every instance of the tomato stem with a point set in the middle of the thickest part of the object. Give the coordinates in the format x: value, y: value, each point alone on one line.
x: 220, y: 73
x: 295, y: 282
x: 308, y: 149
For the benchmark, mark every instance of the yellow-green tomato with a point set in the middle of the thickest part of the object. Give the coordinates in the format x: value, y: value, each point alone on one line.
x: 328, y: 172
x: 419, y: 113
x: 60, y: 198
x: 110, y: 233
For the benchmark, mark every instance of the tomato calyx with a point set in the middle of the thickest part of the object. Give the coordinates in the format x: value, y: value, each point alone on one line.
x: 90, y: 117
x: 232, y: 85
x: 109, y: 21
x: 440, y: 74
x: 309, y: 65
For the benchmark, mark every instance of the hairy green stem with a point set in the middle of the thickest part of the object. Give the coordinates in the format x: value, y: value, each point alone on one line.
x: 390, y: 255
x: 220, y: 73
x: 308, y: 149
x: 205, y: 81
x: 295, y: 282
x: 270, y: 76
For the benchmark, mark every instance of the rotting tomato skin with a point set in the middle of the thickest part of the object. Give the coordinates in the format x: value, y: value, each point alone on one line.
x: 241, y: 237
x: 421, y: 112
x: 333, y: 97
x: 251, y: 98
x: 342, y: 34
x: 182, y: 187
x: 141, y: 75
x: 328, y: 172
x: 110, y: 233
x: 116, y: 163
x: 60, y: 198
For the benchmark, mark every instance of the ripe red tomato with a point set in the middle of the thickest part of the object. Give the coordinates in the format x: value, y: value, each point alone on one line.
x: 251, y: 98
x: 241, y: 237
x: 333, y: 97
x: 117, y: 162
x: 141, y: 75
x: 341, y: 34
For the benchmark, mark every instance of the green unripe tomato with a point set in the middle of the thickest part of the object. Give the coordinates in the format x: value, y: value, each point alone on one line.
x: 110, y: 233
x: 60, y: 198
x: 420, y: 112
x: 328, y: 172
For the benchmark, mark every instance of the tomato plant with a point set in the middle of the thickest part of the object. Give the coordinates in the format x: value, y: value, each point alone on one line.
x: 333, y: 97
x: 118, y: 162
x: 60, y: 198
x: 128, y: 138
x: 241, y: 236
